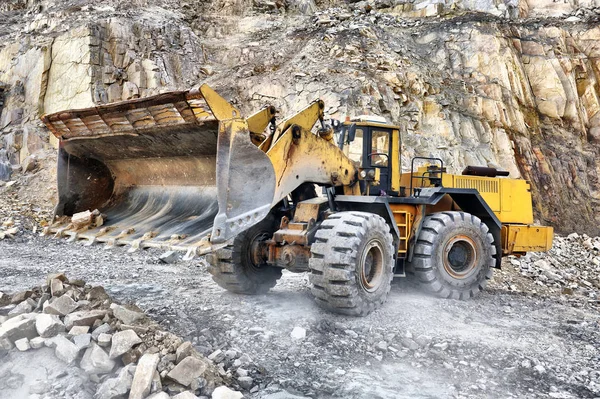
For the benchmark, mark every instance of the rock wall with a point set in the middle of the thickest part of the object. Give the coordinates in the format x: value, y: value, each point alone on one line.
x: 100, y: 60
x: 483, y: 82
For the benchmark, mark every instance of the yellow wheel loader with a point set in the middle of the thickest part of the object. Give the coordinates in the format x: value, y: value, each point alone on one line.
x: 185, y: 171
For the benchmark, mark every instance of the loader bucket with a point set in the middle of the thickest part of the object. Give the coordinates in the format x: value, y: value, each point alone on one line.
x: 147, y: 165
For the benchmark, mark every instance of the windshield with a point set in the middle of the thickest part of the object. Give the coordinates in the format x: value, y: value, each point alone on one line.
x: 354, y: 149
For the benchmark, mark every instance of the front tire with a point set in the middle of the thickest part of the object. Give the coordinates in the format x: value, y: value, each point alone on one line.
x: 454, y: 255
x: 351, y: 263
x: 238, y: 270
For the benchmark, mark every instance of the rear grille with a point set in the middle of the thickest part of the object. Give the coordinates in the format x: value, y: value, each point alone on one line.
x: 483, y: 186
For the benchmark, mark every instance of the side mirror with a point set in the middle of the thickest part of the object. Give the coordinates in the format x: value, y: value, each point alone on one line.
x: 351, y: 132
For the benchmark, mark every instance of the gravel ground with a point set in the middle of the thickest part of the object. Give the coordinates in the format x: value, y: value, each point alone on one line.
x: 501, y: 344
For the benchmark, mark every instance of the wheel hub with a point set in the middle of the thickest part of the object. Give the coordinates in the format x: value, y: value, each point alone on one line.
x: 371, y: 266
x: 460, y: 256
x: 258, y: 251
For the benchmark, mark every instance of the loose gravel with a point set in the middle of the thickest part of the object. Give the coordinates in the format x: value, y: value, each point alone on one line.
x: 504, y: 343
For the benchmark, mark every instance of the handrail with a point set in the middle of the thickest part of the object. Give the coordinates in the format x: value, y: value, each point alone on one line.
x: 427, y: 174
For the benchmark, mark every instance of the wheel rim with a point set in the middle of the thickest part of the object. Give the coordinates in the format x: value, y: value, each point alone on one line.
x: 255, y: 258
x: 371, y: 266
x: 460, y: 256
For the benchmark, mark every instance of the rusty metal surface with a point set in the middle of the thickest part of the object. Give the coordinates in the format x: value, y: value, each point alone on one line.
x: 147, y: 165
x: 130, y: 117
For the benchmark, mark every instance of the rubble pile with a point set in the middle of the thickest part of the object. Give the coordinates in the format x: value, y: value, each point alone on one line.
x: 117, y: 347
x: 18, y: 211
x: 8, y: 229
x: 571, y: 267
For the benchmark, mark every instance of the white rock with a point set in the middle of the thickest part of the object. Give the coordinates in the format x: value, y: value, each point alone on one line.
x: 159, y: 395
x: 187, y: 370
x: 65, y: 350
x: 96, y: 361
x: 144, y: 373
x: 183, y: 351
x: 83, y: 318
x: 117, y: 387
x: 223, y: 392
x: 298, y: 333
x: 78, y: 330
x: 21, y: 308
x: 104, y: 339
x: 542, y: 264
x: 83, y: 341
x: 48, y: 325
x: 37, y: 342
x: 22, y: 344
x: 123, y: 341
x: 540, y: 369
x: 61, y: 306
x: 104, y: 328
x: 17, y: 328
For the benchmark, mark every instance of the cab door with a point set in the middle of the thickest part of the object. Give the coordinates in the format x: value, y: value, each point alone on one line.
x: 378, y: 150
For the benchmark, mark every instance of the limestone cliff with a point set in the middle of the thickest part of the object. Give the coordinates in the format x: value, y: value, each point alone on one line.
x: 474, y: 82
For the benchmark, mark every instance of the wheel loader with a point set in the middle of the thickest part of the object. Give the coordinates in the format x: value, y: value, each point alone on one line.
x: 185, y: 171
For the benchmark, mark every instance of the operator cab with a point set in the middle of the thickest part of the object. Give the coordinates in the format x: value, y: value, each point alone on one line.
x: 368, y: 141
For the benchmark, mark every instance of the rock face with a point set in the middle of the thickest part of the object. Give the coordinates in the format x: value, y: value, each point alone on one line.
x: 515, y: 86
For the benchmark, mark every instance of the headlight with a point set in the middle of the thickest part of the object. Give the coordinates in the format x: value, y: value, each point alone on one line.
x: 363, y: 174
x: 372, y: 173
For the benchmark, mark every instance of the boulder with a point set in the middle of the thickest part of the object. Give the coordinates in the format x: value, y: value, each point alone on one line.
x: 56, y: 276
x: 183, y: 351
x: 125, y: 315
x: 48, y: 325
x: 61, y: 306
x: 117, y: 387
x: 101, y: 329
x: 83, y: 318
x: 144, y: 373
x: 187, y: 370
x: 79, y: 330
x: 21, y: 308
x: 104, y: 339
x: 22, y: 344
x: 4, y: 299
x: 96, y: 361
x: 21, y: 296
x: 65, y: 350
x: 37, y: 342
x: 97, y: 294
x: 122, y: 342
x: 17, y: 328
x: 159, y: 395
x: 82, y: 341
x: 56, y: 287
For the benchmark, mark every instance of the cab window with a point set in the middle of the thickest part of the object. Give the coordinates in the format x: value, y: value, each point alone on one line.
x: 380, y: 147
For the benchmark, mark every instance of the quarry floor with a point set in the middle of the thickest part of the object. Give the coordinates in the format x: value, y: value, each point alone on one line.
x: 498, y: 345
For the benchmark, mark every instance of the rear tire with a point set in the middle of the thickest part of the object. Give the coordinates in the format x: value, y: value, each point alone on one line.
x: 352, y: 263
x: 453, y: 255
x: 234, y: 267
